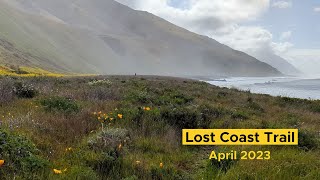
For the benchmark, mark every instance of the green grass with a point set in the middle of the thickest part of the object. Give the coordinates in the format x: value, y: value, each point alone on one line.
x: 102, y: 128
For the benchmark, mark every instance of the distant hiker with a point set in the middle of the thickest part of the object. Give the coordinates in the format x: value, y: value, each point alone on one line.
x: 135, y: 74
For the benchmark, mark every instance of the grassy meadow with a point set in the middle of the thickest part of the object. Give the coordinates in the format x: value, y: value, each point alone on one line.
x: 129, y: 127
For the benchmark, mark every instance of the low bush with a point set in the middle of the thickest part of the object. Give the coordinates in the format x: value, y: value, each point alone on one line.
x: 183, y: 117
x: 308, y: 140
x: 315, y: 107
x: 60, y: 104
x: 239, y: 115
x: 23, y: 90
x: 100, y: 82
x: 108, y: 138
x: 21, y: 157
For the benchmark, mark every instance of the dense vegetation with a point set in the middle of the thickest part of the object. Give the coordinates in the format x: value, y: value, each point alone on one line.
x: 121, y: 127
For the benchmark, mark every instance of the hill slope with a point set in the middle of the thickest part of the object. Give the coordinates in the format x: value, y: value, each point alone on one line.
x: 106, y: 37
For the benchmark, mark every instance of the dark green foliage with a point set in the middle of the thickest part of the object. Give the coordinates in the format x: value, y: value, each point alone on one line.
x: 308, y: 140
x: 60, y: 104
x: 315, y: 107
x: 20, y: 157
x: 239, y: 115
x: 184, y: 118
x: 215, y: 168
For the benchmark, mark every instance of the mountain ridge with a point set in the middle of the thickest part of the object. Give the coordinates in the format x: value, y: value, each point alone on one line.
x: 133, y: 42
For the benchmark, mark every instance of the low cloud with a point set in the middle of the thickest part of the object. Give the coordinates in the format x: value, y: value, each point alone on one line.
x: 316, y: 9
x: 282, y: 4
x: 285, y: 35
x: 308, y: 60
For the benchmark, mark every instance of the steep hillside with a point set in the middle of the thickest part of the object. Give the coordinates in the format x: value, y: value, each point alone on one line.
x: 278, y: 62
x: 105, y: 37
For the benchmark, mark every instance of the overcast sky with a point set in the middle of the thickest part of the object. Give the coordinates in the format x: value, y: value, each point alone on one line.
x: 289, y: 28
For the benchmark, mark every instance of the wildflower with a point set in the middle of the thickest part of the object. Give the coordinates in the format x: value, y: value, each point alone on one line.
x: 116, y: 109
x: 56, y: 171
x: 65, y: 170
x: 146, y: 108
x: 1, y: 162
x: 95, y: 113
x: 69, y: 149
x: 120, y: 116
x: 161, y: 165
x: 120, y: 146
x: 138, y: 162
x: 111, y: 119
x: 100, y: 112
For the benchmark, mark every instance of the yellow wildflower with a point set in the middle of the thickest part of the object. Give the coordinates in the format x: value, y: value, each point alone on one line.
x: 111, y: 119
x: 120, y: 146
x: 138, y: 162
x: 120, y: 116
x: 161, y: 165
x: 56, y: 171
x: 69, y: 149
x: 1, y: 162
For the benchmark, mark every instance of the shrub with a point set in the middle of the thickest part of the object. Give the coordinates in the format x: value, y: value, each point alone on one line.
x: 172, y: 98
x: 315, y: 107
x: 109, y: 138
x: 182, y: 117
x: 25, y: 90
x: 139, y: 97
x: 60, y: 104
x: 101, y: 94
x: 100, y: 82
x: 103, y: 151
x: 239, y: 115
x: 20, y: 157
x: 308, y: 140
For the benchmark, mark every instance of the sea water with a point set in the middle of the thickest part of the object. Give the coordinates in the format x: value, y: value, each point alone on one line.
x: 297, y: 87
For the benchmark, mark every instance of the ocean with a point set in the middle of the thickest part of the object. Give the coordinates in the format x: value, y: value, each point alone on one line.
x: 297, y: 87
